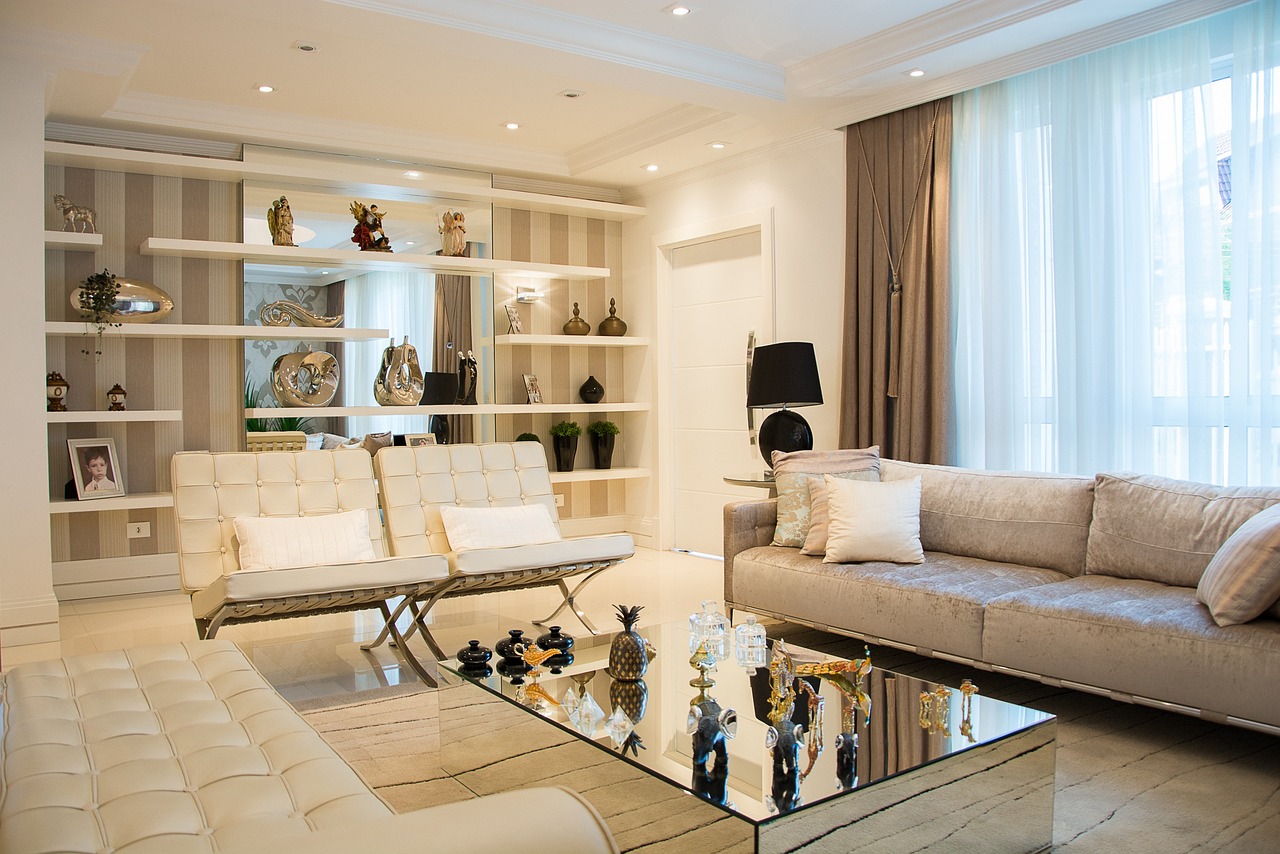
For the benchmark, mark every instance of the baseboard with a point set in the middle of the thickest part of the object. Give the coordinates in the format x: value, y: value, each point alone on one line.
x: 643, y: 530
x: 591, y: 526
x: 119, y: 576
x: 28, y: 621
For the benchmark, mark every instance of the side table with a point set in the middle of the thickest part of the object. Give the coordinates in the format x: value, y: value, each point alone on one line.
x: 757, y: 480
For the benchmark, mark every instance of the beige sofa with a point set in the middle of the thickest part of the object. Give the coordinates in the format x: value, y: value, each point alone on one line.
x: 1088, y: 583
x: 185, y: 748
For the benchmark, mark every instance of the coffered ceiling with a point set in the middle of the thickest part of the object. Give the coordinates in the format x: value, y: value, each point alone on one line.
x: 436, y: 82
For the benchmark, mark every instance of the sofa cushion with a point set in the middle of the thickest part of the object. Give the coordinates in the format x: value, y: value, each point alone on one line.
x: 873, y: 521
x: 1008, y: 517
x: 1141, y: 638
x: 576, y: 550
x: 1166, y: 530
x: 794, y: 471
x: 936, y: 605
x: 1243, y: 579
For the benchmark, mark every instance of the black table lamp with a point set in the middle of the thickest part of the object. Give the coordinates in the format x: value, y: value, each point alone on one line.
x: 785, y: 375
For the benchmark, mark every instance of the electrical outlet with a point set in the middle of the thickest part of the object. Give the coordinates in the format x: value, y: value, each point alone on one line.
x: 138, y: 530
x: 559, y: 499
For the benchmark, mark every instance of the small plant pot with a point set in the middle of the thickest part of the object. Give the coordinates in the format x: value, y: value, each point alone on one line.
x: 602, y: 450
x: 566, y: 448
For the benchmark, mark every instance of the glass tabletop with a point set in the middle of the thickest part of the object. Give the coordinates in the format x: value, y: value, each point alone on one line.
x: 744, y: 742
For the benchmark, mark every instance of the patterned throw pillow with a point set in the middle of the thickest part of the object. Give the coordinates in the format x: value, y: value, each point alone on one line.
x: 794, y: 473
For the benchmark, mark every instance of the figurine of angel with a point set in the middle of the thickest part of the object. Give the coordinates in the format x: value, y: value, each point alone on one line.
x: 368, y: 233
x: 280, y: 222
x: 453, y: 234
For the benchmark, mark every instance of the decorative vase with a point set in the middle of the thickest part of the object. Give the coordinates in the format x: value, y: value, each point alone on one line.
x: 474, y: 655
x: 576, y: 325
x: 591, y: 391
x: 612, y: 325
x: 512, y: 646
x: 55, y: 389
x: 629, y: 654
x: 566, y: 448
x: 602, y: 450
x: 555, y: 639
x: 307, y: 378
x: 399, y: 379
x: 135, y: 302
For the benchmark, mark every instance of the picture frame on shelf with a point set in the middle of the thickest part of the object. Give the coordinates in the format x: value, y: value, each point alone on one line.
x: 417, y: 440
x: 531, y: 389
x: 513, y: 318
x: 96, y: 468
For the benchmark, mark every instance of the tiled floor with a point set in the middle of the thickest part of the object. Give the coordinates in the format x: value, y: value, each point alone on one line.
x: 309, y: 657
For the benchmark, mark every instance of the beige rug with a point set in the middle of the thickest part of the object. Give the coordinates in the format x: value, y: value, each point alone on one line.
x: 1129, y: 779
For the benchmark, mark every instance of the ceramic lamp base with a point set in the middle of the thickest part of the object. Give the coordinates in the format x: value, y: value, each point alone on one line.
x: 784, y: 430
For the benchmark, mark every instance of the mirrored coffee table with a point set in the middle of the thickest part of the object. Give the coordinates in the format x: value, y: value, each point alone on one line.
x: 906, y: 765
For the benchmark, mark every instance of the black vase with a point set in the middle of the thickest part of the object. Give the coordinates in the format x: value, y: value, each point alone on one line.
x: 602, y: 450
x: 474, y: 655
x: 555, y: 639
x: 512, y: 647
x: 591, y: 391
x: 566, y: 448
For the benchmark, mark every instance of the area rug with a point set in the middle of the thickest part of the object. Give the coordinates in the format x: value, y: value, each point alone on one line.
x: 1129, y: 778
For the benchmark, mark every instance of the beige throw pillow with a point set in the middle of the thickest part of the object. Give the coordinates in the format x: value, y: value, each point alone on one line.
x: 873, y: 521
x: 815, y: 542
x: 1243, y: 579
x: 795, y: 471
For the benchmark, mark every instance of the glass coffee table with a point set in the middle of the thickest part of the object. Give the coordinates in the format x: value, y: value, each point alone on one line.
x: 880, y: 761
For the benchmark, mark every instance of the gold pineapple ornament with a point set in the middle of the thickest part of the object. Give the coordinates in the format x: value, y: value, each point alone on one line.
x: 629, y: 654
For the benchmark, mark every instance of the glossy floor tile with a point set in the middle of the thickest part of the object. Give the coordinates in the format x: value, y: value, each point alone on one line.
x: 320, y: 656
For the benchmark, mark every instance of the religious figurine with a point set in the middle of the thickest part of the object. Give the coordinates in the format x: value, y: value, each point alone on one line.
x: 368, y: 233
x: 453, y: 234
x: 280, y: 221
x: 72, y: 214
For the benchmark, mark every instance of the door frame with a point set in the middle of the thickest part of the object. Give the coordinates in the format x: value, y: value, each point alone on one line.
x: 758, y: 221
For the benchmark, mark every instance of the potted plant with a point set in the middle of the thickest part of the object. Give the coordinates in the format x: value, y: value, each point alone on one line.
x: 603, y: 434
x: 528, y: 437
x: 564, y: 439
x: 97, y: 302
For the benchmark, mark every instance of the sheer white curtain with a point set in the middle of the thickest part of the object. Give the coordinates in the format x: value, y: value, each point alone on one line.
x: 403, y: 304
x: 1117, y: 232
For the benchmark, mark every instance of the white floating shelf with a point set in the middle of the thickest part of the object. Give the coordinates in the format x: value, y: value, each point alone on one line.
x: 141, y: 501
x: 71, y: 240
x: 108, y: 416
x: 188, y: 330
x: 597, y: 474
x: 451, y: 409
x: 354, y: 259
x: 570, y: 341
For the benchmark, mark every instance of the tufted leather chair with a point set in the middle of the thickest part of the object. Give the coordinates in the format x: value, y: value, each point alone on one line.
x: 415, y: 482
x: 211, y: 489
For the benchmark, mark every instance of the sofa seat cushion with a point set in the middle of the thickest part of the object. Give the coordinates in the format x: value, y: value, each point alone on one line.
x: 1138, y: 637
x: 935, y: 605
x: 578, y: 550
x: 314, y: 580
x: 174, y: 748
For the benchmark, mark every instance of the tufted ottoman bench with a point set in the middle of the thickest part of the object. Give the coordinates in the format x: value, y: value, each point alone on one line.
x: 186, y: 748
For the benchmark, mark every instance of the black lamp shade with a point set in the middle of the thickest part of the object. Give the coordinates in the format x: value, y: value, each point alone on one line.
x: 784, y: 375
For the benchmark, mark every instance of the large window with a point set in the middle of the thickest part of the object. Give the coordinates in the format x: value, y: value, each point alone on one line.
x: 1117, y: 237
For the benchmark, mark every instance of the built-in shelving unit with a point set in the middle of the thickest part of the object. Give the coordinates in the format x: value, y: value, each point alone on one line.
x: 517, y: 340
x: 71, y: 240
x: 189, y: 330
x: 142, y: 500
x: 113, y: 416
x: 449, y: 409
x: 585, y: 475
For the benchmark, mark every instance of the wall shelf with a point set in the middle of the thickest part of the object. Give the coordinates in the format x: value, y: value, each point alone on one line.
x: 512, y: 340
x: 71, y: 240
x: 188, y: 330
x: 597, y: 474
x: 451, y: 409
x: 141, y: 501
x: 109, y: 417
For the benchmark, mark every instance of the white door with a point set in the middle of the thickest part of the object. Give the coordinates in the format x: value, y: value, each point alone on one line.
x: 717, y: 297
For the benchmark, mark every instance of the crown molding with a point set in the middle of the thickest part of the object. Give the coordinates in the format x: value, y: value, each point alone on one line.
x: 141, y: 141
x: 556, y: 188
x: 256, y: 125
x: 799, y: 143
x: 1033, y: 58
x: 536, y: 25
x: 675, y: 122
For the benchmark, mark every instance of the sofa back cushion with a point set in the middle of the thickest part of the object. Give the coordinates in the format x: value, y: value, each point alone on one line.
x: 1025, y: 518
x: 1166, y: 530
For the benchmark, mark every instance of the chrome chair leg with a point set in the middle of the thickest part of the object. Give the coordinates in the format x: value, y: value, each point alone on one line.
x: 570, y: 600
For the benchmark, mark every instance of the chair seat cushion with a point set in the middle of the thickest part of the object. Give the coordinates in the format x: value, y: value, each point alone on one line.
x: 577, y: 550
x: 309, y: 580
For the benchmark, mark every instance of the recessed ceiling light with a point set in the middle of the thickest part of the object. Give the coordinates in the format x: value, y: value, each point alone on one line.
x: 718, y: 145
x: 679, y: 9
x: 324, y: 272
x: 408, y: 243
x: 306, y: 47
x: 264, y: 89
x: 651, y: 167
x: 916, y: 72
x: 512, y: 126
x: 413, y: 173
x: 572, y: 93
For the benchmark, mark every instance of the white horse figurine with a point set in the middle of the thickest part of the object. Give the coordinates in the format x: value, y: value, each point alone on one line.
x: 71, y: 214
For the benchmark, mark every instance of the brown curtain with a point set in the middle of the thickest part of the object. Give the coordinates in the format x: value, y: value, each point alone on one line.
x: 897, y: 362
x: 453, y: 326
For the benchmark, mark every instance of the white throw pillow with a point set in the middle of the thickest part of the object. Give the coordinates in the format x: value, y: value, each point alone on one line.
x: 284, y: 542
x: 498, y: 527
x: 1243, y: 579
x: 870, y: 520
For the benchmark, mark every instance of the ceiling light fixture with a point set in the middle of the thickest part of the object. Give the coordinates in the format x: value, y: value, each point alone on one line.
x: 679, y: 9
x: 651, y: 167
x: 413, y: 173
x: 916, y: 72
x: 306, y: 47
x: 512, y: 126
x: 265, y: 89
x: 572, y: 93
x: 718, y: 145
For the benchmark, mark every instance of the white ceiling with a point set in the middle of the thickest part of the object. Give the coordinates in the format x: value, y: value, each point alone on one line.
x: 431, y: 81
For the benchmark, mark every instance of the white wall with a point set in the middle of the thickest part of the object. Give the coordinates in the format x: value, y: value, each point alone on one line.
x: 802, y: 184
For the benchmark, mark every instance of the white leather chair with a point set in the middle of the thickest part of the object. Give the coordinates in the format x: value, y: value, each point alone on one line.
x: 415, y: 482
x: 211, y: 489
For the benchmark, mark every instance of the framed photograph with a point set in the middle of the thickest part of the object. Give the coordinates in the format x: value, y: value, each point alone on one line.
x: 96, y: 468
x: 531, y: 388
x: 513, y: 317
x: 417, y: 440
